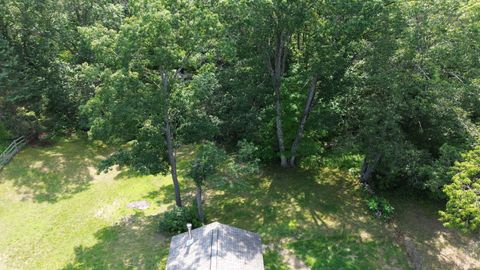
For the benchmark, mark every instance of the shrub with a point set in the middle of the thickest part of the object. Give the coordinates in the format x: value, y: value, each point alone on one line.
x: 247, y: 151
x: 5, y: 137
x: 463, y: 205
x: 439, y: 173
x: 380, y: 207
x: 246, y: 160
x: 4, y: 133
x: 175, y: 220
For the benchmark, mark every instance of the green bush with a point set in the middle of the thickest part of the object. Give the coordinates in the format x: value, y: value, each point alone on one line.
x: 380, y: 207
x: 4, y: 133
x: 175, y: 220
x: 247, y: 152
x: 439, y: 173
x: 463, y: 205
x: 5, y: 137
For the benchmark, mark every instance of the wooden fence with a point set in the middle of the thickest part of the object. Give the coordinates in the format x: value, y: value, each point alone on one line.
x: 12, y: 150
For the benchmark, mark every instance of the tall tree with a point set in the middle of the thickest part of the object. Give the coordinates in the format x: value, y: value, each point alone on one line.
x: 266, y: 28
x: 40, y: 89
x: 415, y: 111
x: 327, y: 46
x: 143, y: 64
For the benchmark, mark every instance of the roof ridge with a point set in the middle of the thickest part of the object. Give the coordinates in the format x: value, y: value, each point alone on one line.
x: 214, y: 249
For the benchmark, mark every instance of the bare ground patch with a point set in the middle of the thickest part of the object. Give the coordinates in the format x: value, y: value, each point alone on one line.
x: 429, y: 245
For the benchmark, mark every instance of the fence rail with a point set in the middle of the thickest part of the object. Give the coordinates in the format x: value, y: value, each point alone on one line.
x: 12, y: 150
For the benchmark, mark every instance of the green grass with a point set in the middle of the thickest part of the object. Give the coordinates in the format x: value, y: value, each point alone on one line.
x: 57, y: 213
x: 320, y: 216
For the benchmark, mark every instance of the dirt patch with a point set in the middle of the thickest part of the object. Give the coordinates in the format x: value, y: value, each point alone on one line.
x: 107, y: 211
x: 103, y: 176
x: 293, y: 261
x: 140, y: 205
x: 287, y: 255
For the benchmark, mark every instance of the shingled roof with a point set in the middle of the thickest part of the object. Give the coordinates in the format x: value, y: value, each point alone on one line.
x: 216, y: 246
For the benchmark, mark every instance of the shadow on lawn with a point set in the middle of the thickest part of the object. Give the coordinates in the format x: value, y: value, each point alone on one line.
x: 166, y: 194
x: 130, y: 244
x: 320, y: 216
x: 434, y: 245
x: 49, y: 174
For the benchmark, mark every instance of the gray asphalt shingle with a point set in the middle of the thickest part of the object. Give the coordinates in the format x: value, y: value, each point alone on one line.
x: 216, y: 246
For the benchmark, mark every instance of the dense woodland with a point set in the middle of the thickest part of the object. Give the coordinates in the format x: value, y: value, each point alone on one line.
x: 397, y: 82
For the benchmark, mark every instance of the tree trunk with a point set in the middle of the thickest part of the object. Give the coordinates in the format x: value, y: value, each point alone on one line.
x: 173, y: 162
x: 368, y: 167
x: 278, y: 122
x: 301, y: 128
x: 198, y: 197
x: 170, y: 147
x: 276, y: 72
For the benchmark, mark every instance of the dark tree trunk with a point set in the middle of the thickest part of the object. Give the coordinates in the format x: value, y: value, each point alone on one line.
x: 368, y: 167
x: 173, y: 162
x: 198, y: 197
x: 170, y: 147
x: 301, y: 128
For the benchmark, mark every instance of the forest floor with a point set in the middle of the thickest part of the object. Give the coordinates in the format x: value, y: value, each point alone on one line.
x: 56, y: 212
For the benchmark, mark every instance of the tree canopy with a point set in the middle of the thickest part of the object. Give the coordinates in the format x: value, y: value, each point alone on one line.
x: 395, y: 82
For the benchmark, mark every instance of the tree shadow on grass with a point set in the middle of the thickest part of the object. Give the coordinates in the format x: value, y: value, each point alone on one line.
x: 431, y: 244
x: 307, y: 208
x: 273, y: 261
x: 53, y: 173
x: 166, y: 194
x: 127, y: 173
x: 133, y: 243
x: 284, y: 199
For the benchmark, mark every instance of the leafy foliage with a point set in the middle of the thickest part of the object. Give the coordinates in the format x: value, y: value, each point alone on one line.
x: 394, y: 82
x: 439, y: 173
x: 380, y: 207
x: 193, y: 105
x: 175, y: 220
x: 206, y: 162
x: 463, y: 194
x: 413, y: 110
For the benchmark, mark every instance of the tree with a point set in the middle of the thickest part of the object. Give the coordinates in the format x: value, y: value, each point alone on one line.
x: 266, y: 29
x: 413, y: 115
x: 29, y: 71
x: 307, y: 43
x: 194, y: 105
x: 143, y: 64
x: 205, y: 165
x: 211, y: 163
x: 326, y: 47
x: 40, y: 89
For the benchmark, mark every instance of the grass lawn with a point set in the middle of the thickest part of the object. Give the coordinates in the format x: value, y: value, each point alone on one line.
x: 320, y: 217
x: 57, y: 213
